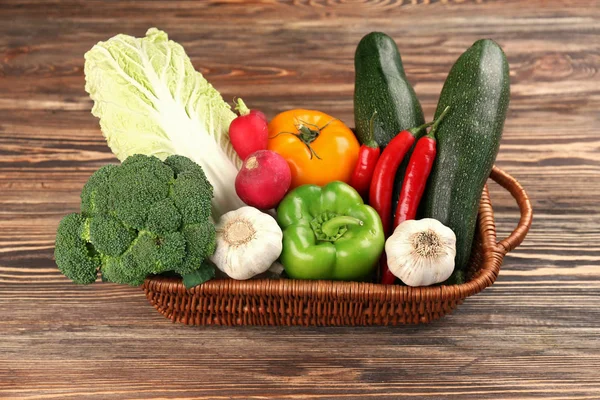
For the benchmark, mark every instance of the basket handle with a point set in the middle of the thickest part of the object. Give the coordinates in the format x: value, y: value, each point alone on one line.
x: 519, y: 194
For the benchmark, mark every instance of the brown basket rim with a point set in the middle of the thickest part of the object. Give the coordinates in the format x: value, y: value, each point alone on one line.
x: 493, y: 254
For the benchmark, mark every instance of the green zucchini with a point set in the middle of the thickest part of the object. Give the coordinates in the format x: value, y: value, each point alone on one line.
x: 381, y: 85
x: 477, y: 90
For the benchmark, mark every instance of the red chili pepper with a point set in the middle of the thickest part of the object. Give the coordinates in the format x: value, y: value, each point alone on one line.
x: 380, y: 193
x: 417, y: 172
x: 413, y: 186
x: 387, y: 278
x: 365, y: 166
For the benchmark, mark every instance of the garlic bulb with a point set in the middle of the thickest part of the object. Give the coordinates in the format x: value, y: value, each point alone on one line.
x: 421, y: 252
x: 248, y: 242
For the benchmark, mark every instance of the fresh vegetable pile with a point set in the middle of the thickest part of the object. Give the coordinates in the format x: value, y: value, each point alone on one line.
x: 203, y: 192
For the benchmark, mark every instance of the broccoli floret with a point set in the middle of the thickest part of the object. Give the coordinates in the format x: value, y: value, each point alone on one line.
x: 95, y: 196
x: 163, y: 217
x: 199, y: 239
x: 189, y: 189
x: 157, y: 254
x: 136, y: 187
x: 140, y: 218
x: 122, y: 269
x: 109, y: 236
x: 140, y: 162
x: 75, y: 256
x: 180, y: 164
x: 149, y: 254
x: 187, y: 194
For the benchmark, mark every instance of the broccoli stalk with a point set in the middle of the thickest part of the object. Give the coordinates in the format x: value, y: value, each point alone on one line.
x: 140, y: 218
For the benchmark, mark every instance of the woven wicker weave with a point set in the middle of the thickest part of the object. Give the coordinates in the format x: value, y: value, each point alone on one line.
x: 297, y: 302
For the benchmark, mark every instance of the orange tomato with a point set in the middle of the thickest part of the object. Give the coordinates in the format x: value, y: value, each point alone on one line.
x: 318, y: 148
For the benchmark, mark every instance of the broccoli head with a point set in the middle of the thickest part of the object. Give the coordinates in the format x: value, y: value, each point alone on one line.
x: 142, y: 217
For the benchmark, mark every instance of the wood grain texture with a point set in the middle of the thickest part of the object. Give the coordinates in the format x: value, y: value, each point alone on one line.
x: 533, y: 334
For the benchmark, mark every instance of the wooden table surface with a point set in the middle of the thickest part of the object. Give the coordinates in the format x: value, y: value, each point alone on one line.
x: 534, y: 334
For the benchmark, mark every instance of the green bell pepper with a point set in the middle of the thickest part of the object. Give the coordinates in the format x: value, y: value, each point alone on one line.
x: 329, y: 233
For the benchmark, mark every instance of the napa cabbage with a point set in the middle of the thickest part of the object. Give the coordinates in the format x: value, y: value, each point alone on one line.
x: 150, y: 100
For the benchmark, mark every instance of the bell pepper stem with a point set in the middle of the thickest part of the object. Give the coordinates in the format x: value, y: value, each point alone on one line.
x: 330, y: 228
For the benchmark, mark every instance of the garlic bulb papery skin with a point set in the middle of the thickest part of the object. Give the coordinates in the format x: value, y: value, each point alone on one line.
x: 248, y: 242
x: 421, y: 252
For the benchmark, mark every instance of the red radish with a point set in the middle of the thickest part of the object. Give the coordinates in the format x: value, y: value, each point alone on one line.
x: 260, y: 114
x: 264, y: 179
x: 249, y: 132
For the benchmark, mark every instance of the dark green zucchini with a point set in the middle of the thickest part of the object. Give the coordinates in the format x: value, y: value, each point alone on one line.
x: 381, y: 85
x: 477, y: 90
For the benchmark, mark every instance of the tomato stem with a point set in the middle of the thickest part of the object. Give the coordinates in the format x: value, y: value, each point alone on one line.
x: 319, y: 129
x: 307, y: 135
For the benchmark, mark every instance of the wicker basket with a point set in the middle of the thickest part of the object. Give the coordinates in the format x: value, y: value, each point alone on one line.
x: 299, y: 302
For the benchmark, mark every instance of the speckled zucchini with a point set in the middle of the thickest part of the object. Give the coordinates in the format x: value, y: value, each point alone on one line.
x: 477, y: 90
x: 381, y: 85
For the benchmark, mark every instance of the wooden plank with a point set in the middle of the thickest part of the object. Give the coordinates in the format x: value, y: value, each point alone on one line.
x: 533, y: 334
